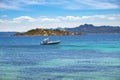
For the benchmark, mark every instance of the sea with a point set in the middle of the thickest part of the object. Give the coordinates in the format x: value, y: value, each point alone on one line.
x: 80, y: 57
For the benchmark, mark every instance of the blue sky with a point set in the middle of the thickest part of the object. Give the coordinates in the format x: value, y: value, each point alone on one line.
x: 22, y: 15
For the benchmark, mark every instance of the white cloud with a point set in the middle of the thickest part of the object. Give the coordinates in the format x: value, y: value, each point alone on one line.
x: 24, y: 18
x: 50, y: 20
x: 111, y: 18
x: 103, y: 5
x: 85, y: 17
x: 108, y: 17
x: 70, y: 18
x: 91, y: 4
x: 27, y: 22
x: 2, y: 21
x: 106, y: 6
x: 100, y: 16
x: 61, y: 18
x: 66, y: 4
x: 8, y: 6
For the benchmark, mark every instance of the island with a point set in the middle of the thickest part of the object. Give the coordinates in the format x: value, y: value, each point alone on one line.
x: 45, y: 32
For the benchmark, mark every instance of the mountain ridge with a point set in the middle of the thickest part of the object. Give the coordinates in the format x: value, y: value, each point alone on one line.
x: 79, y: 30
x: 90, y: 28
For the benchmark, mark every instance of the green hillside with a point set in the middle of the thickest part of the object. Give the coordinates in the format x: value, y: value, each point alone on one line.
x: 44, y: 32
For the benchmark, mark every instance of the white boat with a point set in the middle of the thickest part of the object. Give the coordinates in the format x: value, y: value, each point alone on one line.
x: 47, y: 42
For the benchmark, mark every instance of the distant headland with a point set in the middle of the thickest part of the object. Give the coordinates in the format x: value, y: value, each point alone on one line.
x: 90, y: 28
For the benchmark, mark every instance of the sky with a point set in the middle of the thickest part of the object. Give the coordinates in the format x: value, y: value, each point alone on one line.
x: 23, y: 15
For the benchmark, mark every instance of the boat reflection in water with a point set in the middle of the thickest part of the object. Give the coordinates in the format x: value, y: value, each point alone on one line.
x: 47, y: 42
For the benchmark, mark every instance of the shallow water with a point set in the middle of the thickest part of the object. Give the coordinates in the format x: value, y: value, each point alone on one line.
x: 89, y: 57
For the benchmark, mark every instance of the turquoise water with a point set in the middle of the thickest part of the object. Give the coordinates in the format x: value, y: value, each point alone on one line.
x: 89, y: 57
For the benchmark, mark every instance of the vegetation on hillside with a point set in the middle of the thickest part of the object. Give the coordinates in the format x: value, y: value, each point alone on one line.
x: 45, y: 32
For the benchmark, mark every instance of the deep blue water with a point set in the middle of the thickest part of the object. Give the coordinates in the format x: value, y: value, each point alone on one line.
x: 2, y: 34
x: 88, y: 57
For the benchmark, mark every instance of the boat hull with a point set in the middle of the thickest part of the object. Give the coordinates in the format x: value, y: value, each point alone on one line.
x: 50, y: 43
